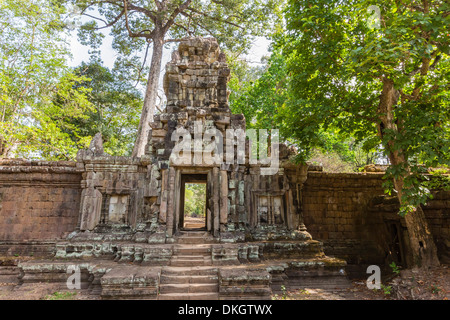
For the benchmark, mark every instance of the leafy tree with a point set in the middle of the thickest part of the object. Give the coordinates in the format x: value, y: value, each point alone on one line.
x: 195, y: 199
x: 116, y: 107
x: 259, y: 99
x: 339, y: 153
x: 135, y: 24
x: 384, y: 80
x: 260, y: 93
x: 33, y: 75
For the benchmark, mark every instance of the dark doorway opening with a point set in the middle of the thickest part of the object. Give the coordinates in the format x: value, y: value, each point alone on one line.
x: 193, y: 202
x: 396, y: 247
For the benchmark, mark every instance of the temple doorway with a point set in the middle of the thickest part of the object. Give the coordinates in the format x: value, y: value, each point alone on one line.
x: 193, y: 202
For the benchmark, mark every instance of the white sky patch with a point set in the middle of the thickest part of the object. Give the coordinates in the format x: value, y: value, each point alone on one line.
x: 80, y: 53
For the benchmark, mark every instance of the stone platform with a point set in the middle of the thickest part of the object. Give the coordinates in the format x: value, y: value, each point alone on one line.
x: 194, y: 267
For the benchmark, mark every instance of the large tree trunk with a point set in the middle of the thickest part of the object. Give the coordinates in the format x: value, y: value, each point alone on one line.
x: 422, y: 250
x: 148, y: 109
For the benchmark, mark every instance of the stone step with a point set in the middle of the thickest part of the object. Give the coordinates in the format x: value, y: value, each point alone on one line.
x: 189, y: 271
x: 194, y: 240
x: 175, y: 279
x: 189, y: 296
x: 194, y: 234
x: 185, y: 249
x: 130, y: 282
x: 189, y: 288
x: 191, y: 257
x: 198, y: 223
x: 189, y: 261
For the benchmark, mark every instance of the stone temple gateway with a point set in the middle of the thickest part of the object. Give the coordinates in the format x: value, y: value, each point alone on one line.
x: 129, y: 241
x: 119, y: 221
x: 144, y: 196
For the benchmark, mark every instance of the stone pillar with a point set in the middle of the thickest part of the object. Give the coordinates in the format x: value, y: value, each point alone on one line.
x: 91, y: 207
x: 164, y: 187
x: 216, y: 197
x: 301, y: 223
x: 209, y: 201
x: 223, y: 197
x: 177, y: 205
x: 171, y: 202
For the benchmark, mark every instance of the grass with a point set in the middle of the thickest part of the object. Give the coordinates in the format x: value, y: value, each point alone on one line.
x: 61, y: 296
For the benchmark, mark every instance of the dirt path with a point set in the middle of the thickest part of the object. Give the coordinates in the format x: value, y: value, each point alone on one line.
x: 408, y: 285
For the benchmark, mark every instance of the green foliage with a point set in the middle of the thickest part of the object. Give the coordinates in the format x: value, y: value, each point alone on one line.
x: 395, y: 268
x: 234, y: 23
x: 260, y: 99
x: 338, y: 66
x: 260, y: 94
x: 195, y: 199
x: 439, y: 180
x: 34, y: 78
x: 386, y: 289
x: 61, y: 296
x: 284, y: 292
x: 116, y: 107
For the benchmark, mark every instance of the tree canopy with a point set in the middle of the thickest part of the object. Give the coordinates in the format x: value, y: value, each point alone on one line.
x: 34, y: 77
x: 116, y: 106
x: 384, y: 82
x: 137, y: 24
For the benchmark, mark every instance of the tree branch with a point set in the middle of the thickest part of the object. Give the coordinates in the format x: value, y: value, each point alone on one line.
x: 215, y: 18
x: 147, y: 12
x: 197, y: 23
x: 96, y: 18
x: 112, y: 22
x: 131, y: 33
x: 184, y: 28
x: 143, y: 63
x: 174, y: 40
x: 174, y: 14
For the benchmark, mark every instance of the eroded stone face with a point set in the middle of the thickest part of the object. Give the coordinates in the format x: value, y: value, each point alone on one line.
x: 118, y: 206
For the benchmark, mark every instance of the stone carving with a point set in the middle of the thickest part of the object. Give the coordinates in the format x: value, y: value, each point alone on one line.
x: 90, y: 208
x: 96, y: 145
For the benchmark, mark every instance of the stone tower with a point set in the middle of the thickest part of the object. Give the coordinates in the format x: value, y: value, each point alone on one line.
x: 195, y: 139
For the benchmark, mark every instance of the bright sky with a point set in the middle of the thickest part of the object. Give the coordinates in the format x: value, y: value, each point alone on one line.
x: 80, y: 52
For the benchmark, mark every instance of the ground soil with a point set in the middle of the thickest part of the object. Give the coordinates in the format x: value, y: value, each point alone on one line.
x: 432, y: 284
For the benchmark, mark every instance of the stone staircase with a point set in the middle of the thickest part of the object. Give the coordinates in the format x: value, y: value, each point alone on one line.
x: 194, y: 237
x: 190, y: 275
x: 193, y: 266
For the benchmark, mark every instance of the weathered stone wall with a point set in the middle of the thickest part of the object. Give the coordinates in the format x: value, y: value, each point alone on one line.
x: 349, y: 213
x: 437, y: 212
x: 334, y: 212
x: 39, y: 200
